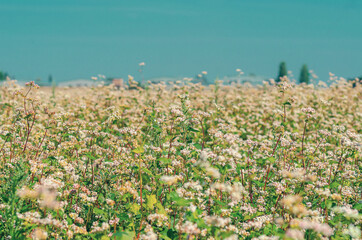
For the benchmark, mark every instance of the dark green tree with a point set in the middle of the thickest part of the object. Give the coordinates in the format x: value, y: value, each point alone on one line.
x: 282, y: 71
x: 50, y: 79
x: 304, y: 75
x: 3, y: 76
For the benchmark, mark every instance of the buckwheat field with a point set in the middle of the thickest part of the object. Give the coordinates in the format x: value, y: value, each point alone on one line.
x: 181, y: 161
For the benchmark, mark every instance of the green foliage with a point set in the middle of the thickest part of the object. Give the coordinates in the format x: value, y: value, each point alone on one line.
x: 3, y: 76
x: 282, y: 71
x: 50, y: 79
x: 304, y: 75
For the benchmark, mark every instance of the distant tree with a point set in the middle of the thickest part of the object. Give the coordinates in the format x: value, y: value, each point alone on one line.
x: 304, y: 75
x: 200, y: 78
x: 282, y: 71
x: 3, y: 76
x: 108, y: 80
x: 356, y: 81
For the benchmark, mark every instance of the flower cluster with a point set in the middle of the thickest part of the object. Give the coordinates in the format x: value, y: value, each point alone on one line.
x: 181, y: 161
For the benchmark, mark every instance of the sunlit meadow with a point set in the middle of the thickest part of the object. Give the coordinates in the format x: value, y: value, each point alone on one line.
x: 181, y: 161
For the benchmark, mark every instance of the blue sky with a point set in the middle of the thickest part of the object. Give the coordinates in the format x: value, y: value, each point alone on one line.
x: 80, y: 38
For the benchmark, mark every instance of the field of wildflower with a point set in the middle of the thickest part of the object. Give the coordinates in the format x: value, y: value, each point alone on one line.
x: 181, y: 161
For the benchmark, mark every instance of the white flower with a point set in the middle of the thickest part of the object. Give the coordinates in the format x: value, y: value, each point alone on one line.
x: 353, y: 231
x: 295, y: 234
x: 203, y: 156
x: 170, y: 180
x: 213, y: 172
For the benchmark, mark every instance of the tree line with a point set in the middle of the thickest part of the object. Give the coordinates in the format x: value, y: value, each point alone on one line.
x: 304, y: 76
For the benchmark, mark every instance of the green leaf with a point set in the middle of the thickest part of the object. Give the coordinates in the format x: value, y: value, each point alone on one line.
x: 227, y: 234
x: 127, y: 235
x: 271, y: 159
x: 287, y: 103
x: 163, y: 236
x: 260, y: 184
x: 182, y: 202
x: 198, y: 146
x: 138, y: 150
x: 160, y: 208
x: 193, y: 129
x: 90, y: 156
x: 261, y: 161
x: 178, y: 200
x: 334, y: 185
x: 247, y: 217
x: 329, y: 204
x: 358, y: 206
x: 165, y: 160
x: 98, y: 211
x: 145, y: 170
x: 135, y: 208
x: 151, y: 201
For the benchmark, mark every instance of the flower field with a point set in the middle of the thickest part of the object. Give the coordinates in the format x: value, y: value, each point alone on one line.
x: 181, y: 162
